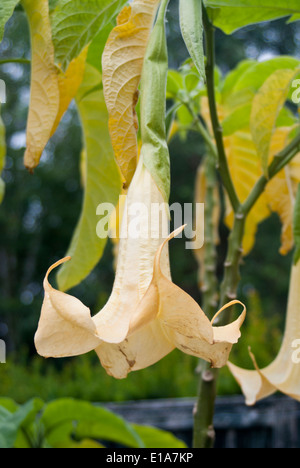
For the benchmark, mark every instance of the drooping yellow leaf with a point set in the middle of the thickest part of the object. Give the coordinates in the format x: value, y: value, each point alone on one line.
x: 122, y: 65
x: 51, y: 90
x: 44, y: 94
x: 284, y: 373
x: 266, y: 106
x: 69, y: 84
x: 245, y: 169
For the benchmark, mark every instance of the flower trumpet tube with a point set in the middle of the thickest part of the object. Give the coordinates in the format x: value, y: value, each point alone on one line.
x: 284, y: 373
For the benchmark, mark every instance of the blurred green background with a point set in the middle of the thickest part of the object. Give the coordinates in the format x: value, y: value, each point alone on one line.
x: 40, y: 212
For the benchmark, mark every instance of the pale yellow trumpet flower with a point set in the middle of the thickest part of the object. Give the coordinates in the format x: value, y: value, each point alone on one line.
x: 284, y: 373
x: 147, y: 315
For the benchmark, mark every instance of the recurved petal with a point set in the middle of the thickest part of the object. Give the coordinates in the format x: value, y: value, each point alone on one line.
x: 65, y: 327
x: 254, y: 385
x: 186, y: 325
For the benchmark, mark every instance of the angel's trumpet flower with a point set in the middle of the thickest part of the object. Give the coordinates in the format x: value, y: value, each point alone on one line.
x: 147, y: 316
x: 284, y: 373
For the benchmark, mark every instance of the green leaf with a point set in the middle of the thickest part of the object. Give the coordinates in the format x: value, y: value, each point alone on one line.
x: 96, y: 48
x: 86, y: 421
x: 102, y: 182
x: 192, y: 31
x: 175, y: 83
x: 157, y: 438
x: 2, y: 158
x: 230, y: 15
x: 76, y: 23
x: 237, y: 120
x: 6, y: 10
x: 11, y: 423
x: 232, y: 78
x: 52, y: 5
x: 294, y: 18
x: 297, y: 227
x: 241, y: 86
x: 8, y: 404
x: 265, y: 110
x: 83, y: 444
x: 255, y: 76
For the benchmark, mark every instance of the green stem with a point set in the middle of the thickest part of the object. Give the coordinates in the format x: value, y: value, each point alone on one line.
x: 204, y: 433
x: 202, y: 130
x: 279, y: 162
x: 15, y: 60
x: 217, y: 128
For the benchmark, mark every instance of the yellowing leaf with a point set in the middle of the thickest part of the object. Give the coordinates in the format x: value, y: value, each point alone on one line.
x: 44, y: 99
x: 266, y: 106
x: 281, y: 190
x: 122, y: 65
x: 51, y: 90
x: 245, y: 170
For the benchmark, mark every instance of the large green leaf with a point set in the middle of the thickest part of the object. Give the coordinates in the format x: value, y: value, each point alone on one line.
x: 102, y: 182
x: 2, y: 157
x: 255, y: 76
x: 76, y: 23
x: 12, y: 422
x: 230, y: 15
x: 241, y: 86
x: 192, y: 31
x: 6, y: 10
x: 82, y: 420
